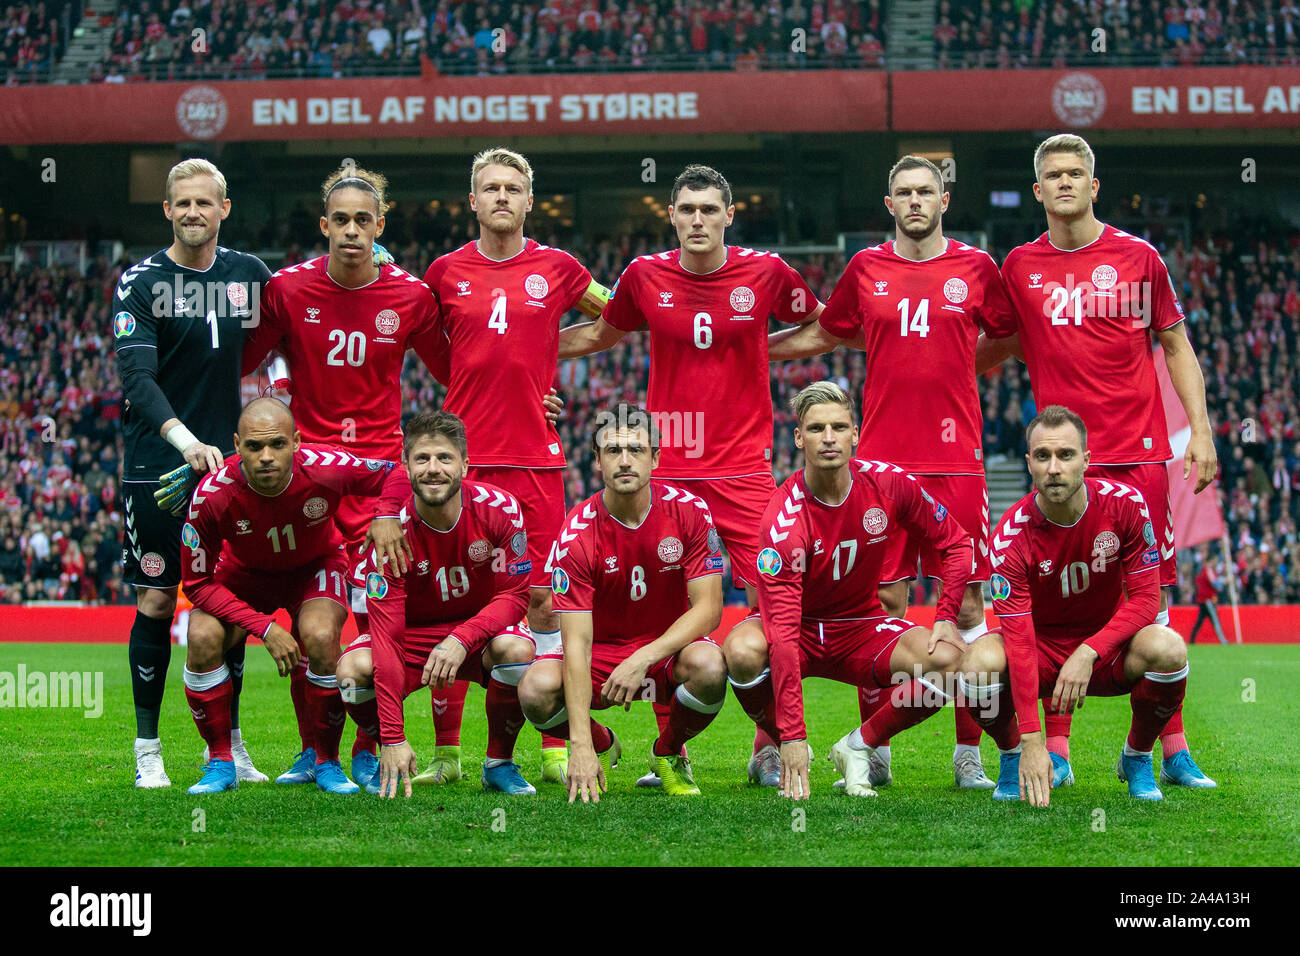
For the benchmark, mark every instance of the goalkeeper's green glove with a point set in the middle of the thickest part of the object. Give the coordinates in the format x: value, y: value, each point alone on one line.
x: 382, y: 256
x: 175, y: 489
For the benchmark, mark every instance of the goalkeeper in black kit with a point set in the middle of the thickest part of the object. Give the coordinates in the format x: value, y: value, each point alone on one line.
x: 178, y: 329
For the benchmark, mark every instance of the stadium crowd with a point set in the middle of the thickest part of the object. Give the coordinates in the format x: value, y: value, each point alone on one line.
x: 1008, y: 34
x: 60, y: 398
x: 251, y: 39
x: 157, y: 39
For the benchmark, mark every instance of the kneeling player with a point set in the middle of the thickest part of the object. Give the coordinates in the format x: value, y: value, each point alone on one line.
x: 451, y: 614
x: 825, y: 533
x: 1076, y: 588
x: 269, y: 508
x: 637, y: 582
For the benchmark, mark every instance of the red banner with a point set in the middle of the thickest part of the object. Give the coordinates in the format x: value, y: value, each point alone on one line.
x: 1196, y: 517
x: 1207, y: 97
x: 1260, y: 624
x: 411, y: 107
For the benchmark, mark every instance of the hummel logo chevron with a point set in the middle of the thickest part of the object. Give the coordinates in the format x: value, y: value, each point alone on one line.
x: 785, y: 517
x: 575, y: 526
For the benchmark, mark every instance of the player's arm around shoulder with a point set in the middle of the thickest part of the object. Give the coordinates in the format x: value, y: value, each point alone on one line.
x: 617, y: 317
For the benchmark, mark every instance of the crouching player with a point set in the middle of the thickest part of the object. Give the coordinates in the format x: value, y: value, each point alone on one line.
x: 824, y: 535
x: 637, y: 584
x: 1076, y: 588
x: 260, y: 536
x: 454, y: 614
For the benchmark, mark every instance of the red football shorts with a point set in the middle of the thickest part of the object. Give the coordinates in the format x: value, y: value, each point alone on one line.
x: 737, y: 506
x: 1152, y: 480
x: 540, y: 493
x: 421, y: 640
x: 606, y: 657
x: 851, y: 652
x: 967, y: 499
x: 353, y: 521
x: 1107, y: 673
x: 269, y: 591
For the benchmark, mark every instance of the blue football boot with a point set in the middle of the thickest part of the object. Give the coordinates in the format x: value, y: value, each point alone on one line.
x: 507, y: 779
x: 365, y: 771
x: 331, y: 779
x: 1008, y: 786
x: 303, y: 769
x: 1062, y: 775
x: 1137, y: 772
x: 218, y: 775
x: 1181, y: 770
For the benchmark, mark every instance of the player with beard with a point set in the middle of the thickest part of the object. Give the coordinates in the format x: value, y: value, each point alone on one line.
x: 917, y: 306
x: 502, y: 297
x: 1086, y: 297
x: 454, y: 616
x: 178, y: 333
x: 1075, y: 587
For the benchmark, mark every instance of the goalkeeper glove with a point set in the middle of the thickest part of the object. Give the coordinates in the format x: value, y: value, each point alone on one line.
x: 175, y: 490
x: 382, y: 256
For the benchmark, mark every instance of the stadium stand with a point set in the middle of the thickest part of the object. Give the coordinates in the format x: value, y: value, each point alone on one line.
x: 215, y: 40
x: 192, y: 39
x: 1006, y: 34
x: 60, y: 399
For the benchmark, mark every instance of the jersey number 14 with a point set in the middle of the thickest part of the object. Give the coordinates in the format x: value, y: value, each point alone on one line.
x: 920, y: 321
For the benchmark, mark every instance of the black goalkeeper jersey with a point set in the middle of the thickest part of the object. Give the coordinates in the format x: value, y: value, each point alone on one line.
x: 180, y: 332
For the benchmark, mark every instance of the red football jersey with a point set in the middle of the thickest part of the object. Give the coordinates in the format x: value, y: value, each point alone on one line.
x: 822, y: 563
x: 230, y: 522
x: 708, y: 354
x: 633, y: 580
x: 921, y: 321
x: 1085, y: 319
x: 502, y: 322
x: 472, y: 580
x: 345, y: 349
x: 1066, y: 585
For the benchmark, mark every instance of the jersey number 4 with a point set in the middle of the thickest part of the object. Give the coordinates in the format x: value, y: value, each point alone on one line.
x: 497, y: 320
x: 920, y: 321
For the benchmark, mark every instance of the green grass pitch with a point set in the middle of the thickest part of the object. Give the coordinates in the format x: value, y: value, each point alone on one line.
x: 66, y: 796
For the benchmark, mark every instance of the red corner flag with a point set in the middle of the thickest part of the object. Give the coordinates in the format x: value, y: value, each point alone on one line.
x: 1196, y: 517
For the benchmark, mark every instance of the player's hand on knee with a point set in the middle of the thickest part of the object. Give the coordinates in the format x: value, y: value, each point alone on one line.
x: 396, y: 763
x: 443, y: 663
x: 204, y: 459
x: 1035, y: 771
x: 1072, y: 681
x: 283, y: 649
x: 385, y: 536
x: 794, y: 770
x: 554, y: 406
x: 945, y: 632
x: 586, y: 776
x: 624, y: 684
